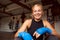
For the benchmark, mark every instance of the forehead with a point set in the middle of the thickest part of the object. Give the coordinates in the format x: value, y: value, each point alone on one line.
x: 37, y: 7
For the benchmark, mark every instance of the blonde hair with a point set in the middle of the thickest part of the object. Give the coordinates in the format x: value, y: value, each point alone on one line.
x: 37, y: 5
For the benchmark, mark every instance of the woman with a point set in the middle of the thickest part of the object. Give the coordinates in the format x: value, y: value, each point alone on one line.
x: 36, y: 22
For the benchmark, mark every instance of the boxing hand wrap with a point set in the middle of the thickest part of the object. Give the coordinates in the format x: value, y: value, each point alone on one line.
x: 25, y: 36
x: 49, y: 31
x: 43, y: 30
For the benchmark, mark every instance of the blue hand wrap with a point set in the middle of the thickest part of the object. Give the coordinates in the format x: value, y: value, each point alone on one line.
x: 43, y: 30
x: 25, y: 36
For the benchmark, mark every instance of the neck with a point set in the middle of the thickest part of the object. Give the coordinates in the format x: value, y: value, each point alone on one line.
x: 37, y: 20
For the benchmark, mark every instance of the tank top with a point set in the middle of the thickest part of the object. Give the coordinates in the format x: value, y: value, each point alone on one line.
x: 34, y: 26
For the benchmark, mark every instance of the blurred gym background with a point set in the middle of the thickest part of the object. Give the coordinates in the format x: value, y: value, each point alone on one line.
x: 17, y: 11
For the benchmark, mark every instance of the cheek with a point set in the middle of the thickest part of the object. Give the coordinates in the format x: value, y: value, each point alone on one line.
x: 33, y: 13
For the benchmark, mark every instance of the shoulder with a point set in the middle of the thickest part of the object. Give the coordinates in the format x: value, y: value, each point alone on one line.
x: 28, y: 21
x: 45, y: 22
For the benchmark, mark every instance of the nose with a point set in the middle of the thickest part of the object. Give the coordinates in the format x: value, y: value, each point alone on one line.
x: 38, y: 12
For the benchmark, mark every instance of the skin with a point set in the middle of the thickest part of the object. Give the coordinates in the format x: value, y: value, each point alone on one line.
x: 37, y: 13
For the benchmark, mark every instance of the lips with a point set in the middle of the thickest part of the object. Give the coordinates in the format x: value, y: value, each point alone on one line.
x: 38, y: 15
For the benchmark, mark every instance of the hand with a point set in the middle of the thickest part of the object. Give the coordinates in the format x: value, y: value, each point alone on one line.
x: 36, y: 34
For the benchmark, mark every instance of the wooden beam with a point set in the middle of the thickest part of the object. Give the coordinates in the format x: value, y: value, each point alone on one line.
x: 9, y: 14
x: 9, y: 4
x: 21, y: 4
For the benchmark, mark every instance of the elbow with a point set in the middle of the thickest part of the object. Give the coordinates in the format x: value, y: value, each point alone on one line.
x: 54, y: 33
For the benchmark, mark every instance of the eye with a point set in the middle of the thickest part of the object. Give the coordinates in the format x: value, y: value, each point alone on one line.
x: 34, y: 11
x: 39, y: 10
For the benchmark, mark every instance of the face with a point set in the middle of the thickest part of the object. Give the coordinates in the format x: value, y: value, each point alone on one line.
x: 37, y: 12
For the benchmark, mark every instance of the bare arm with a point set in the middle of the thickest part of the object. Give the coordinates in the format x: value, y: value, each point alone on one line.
x: 54, y: 32
x: 48, y: 25
x: 22, y: 28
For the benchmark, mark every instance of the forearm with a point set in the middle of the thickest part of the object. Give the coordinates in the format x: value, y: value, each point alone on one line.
x: 20, y: 30
x: 16, y: 34
x: 57, y: 35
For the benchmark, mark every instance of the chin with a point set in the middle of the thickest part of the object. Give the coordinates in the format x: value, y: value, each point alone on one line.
x: 38, y: 18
